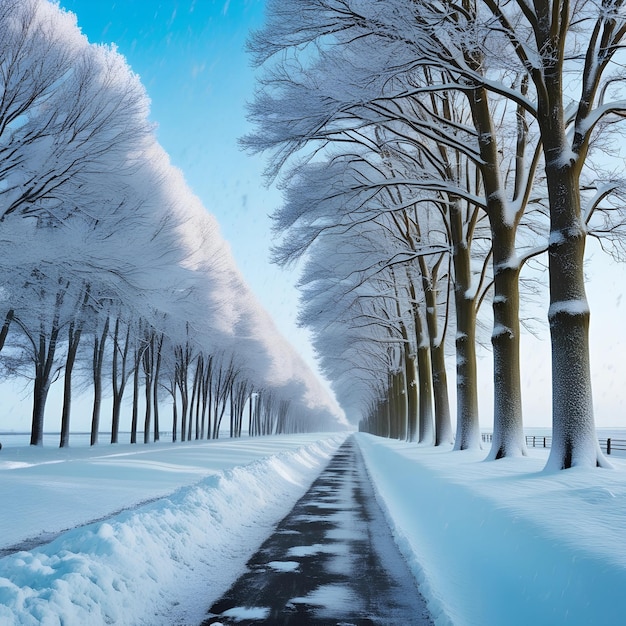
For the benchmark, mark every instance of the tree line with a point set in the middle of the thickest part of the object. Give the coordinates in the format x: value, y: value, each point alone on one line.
x: 114, y: 277
x: 428, y: 152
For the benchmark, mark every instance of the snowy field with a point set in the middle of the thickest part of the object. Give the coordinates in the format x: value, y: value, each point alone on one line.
x: 491, y: 543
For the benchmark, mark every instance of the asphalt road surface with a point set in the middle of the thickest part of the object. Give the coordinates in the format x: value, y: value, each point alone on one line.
x: 331, y: 562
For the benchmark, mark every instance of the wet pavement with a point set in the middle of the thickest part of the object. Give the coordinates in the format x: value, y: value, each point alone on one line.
x: 331, y: 562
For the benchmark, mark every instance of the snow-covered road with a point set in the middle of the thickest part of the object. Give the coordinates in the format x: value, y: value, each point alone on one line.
x: 331, y: 560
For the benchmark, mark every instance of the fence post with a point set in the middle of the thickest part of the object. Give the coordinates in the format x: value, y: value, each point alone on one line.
x: 544, y: 442
x: 533, y: 441
x: 608, y: 446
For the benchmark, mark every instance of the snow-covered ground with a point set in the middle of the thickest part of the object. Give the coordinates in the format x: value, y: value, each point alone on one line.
x: 211, y: 506
x: 504, y: 543
x: 491, y: 543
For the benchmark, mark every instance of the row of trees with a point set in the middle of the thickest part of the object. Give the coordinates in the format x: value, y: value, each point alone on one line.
x: 113, y: 276
x: 427, y: 151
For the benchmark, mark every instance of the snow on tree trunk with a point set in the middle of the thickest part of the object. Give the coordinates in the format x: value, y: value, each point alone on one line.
x: 508, y: 428
x: 467, y: 424
x: 508, y: 433
x: 574, y: 440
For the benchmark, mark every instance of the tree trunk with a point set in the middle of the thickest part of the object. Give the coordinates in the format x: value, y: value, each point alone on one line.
x: 400, y: 402
x: 184, y: 407
x: 174, y: 415
x: 426, y: 429
x: 148, y: 412
x: 256, y: 417
x: 155, y: 388
x: 508, y: 427
x: 233, y: 416
x: 439, y: 376
x: 98, y: 360
x: 40, y: 394
x: 118, y: 378
x: 135, y: 413
x: 115, y: 417
x: 383, y: 418
x: 574, y: 439
x: 148, y: 366
x: 4, y: 331
x: 73, y: 341
x: 443, y: 422
x: 393, y: 406
x: 43, y: 372
x: 467, y: 424
x: 250, y: 414
x: 424, y: 375
x: 190, y: 421
x: 196, y: 395
x: 412, y: 396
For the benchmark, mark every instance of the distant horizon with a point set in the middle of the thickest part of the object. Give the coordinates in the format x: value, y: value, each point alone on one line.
x: 49, y: 433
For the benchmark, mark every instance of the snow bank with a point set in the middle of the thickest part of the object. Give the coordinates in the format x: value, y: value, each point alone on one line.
x: 166, y: 561
x: 504, y: 542
x: 490, y: 542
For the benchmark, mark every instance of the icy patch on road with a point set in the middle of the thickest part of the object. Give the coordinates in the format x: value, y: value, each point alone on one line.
x: 318, y: 548
x: 345, y: 534
x: 332, y: 601
x: 341, y: 564
x: 239, y: 613
x: 284, y: 566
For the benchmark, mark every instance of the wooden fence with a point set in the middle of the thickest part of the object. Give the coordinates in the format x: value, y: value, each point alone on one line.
x: 609, y: 445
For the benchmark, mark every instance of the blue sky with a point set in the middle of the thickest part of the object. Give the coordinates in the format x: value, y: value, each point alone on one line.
x: 191, y: 59
x: 190, y: 56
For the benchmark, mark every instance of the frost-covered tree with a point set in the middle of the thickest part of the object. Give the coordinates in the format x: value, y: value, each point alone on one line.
x: 384, y: 114
x: 569, y: 52
x: 355, y: 310
x: 83, y: 186
x: 360, y: 196
x: 68, y: 109
x: 508, y: 61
